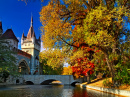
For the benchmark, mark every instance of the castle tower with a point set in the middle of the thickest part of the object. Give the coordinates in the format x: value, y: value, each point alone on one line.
x: 31, y: 45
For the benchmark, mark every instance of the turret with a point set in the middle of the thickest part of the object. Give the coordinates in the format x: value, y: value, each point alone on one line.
x: 22, y: 39
x: 9, y: 34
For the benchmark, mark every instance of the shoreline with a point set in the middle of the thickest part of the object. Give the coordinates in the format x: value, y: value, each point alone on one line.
x: 117, y: 92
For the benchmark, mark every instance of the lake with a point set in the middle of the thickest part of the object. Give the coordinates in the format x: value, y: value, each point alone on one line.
x: 49, y: 91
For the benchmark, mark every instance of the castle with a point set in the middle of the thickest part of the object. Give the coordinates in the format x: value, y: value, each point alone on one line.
x: 28, y: 57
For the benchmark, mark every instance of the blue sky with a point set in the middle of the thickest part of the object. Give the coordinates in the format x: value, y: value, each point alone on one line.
x: 17, y: 15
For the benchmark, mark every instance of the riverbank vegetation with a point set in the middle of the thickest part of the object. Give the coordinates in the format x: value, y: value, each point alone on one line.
x: 102, y: 83
x: 93, y: 35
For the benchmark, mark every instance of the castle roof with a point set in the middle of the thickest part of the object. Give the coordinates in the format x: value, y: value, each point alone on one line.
x: 9, y: 34
x: 20, y: 52
x: 31, y: 32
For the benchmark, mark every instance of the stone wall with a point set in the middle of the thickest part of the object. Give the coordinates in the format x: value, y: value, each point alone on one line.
x: 37, y: 79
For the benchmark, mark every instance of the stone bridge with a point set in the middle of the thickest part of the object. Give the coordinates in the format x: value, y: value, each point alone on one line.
x: 38, y: 79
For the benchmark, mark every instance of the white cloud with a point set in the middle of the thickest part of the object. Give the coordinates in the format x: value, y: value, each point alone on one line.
x: 41, y: 49
x: 19, y: 43
x: 18, y: 38
x: 66, y: 64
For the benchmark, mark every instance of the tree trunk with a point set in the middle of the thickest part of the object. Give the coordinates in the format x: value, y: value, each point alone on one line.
x: 88, y: 77
x: 111, y: 68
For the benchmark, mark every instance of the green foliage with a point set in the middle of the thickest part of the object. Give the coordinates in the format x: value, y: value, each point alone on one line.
x: 122, y: 74
x: 7, y: 60
x: 103, y: 29
x: 123, y: 65
x: 92, y: 76
x: 4, y: 75
x: 48, y: 70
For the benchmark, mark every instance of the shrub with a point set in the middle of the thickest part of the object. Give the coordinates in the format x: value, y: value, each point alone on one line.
x: 107, y: 83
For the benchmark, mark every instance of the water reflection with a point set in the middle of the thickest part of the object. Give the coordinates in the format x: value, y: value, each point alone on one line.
x: 48, y: 91
x: 78, y: 92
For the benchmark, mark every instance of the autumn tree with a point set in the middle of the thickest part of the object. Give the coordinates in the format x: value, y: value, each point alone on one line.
x: 99, y: 24
x: 67, y: 70
x: 105, y: 30
x: 52, y: 59
x: 58, y: 21
x: 48, y: 70
x: 122, y: 75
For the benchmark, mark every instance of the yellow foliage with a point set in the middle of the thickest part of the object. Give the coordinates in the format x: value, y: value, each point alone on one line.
x: 67, y: 70
x: 70, y: 23
x: 97, y: 25
x: 54, y: 58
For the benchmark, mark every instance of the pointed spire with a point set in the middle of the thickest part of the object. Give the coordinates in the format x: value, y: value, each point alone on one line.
x: 23, y: 35
x: 33, y: 34
x: 31, y: 20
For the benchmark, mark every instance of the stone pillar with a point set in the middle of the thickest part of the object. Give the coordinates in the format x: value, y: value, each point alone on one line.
x: 32, y: 66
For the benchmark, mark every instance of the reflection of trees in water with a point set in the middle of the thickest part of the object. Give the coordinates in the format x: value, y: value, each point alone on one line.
x: 83, y: 92
x: 78, y: 92
x: 49, y: 91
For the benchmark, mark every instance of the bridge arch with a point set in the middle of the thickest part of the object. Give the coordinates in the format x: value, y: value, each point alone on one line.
x: 29, y: 83
x: 23, y: 67
x: 50, y: 81
x: 74, y: 83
